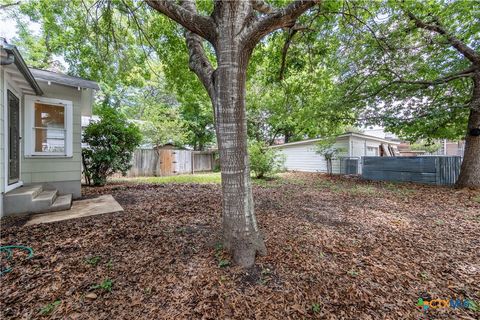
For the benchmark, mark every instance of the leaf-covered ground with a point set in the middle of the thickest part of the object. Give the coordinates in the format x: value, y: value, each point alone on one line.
x: 339, y: 248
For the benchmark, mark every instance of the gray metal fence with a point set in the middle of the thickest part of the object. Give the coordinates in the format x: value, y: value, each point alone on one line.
x: 349, y: 165
x: 429, y: 169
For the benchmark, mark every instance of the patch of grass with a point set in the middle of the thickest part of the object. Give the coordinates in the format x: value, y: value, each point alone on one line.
x: 93, y: 261
x: 316, y: 307
x: 424, y: 275
x: 289, y: 179
x: 398, y: 188
x: 200, y: 178
x: 46, y: 310
x: 352, y: 273
x: 360, y: 189
x: 271, y: 182
x: 106, y: 285
x: 265, y: 276
x: 334, y: 187
x: 477, y: 199
x: 343, y: 187
x: 222, y: 261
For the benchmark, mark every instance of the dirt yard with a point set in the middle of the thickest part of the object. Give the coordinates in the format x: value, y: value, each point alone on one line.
x: 338, y: 248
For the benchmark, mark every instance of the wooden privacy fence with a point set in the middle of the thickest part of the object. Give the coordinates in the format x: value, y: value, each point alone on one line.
x: 167, y: 162
x: 429, y: 169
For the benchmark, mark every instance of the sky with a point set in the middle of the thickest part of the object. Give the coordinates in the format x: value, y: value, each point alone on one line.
x: 8, y: 26
x: 9, y: 30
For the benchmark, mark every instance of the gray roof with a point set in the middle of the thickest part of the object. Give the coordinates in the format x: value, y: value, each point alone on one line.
x: 63, y: 79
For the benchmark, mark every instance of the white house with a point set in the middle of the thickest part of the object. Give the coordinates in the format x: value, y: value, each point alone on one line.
x: 303, y: 155
x: 40, y: 135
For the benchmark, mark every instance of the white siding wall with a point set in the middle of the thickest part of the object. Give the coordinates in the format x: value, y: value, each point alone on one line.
x: 373, y: 148
x: 363, y: 147
x: 303, y: 157
x: 50, y: 169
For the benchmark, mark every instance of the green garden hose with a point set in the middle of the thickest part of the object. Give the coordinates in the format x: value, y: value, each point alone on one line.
x: 9, y: 251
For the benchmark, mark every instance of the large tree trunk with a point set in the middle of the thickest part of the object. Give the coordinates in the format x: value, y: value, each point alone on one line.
x: 233, y: 29
x: 470, y: 170
x: 241, y: 235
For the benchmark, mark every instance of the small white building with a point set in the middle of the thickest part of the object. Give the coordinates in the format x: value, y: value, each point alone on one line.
x: 304, y: 156
x: 40, y: 135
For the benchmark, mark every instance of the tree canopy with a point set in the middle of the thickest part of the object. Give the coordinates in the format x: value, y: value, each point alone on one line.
x: 406, y: 77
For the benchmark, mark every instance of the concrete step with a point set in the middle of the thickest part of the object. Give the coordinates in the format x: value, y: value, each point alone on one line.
x: 19, y: 201
x: 35, y: 199
x: 43, y: 201
x: 30, y: 191
x: 62, y: 203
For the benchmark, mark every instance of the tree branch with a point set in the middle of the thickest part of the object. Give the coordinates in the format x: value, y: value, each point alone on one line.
x: 461, y: 47
x: 286, y: 46
x: 279, y: 18
x: 262, y: 7
x: 198, y: 60
x: 5, y: 6
x: 190, y: 20
x: 462, y: 74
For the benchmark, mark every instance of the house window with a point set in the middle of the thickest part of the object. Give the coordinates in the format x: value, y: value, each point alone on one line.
x: 48, y: 127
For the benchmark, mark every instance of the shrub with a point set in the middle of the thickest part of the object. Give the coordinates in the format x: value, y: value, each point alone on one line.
x: 110, y: 145
x: 326, y: 147
x: 264, y: 161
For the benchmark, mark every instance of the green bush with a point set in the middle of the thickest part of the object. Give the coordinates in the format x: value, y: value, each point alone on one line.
x: 110, y: 145
x: 264, y: 161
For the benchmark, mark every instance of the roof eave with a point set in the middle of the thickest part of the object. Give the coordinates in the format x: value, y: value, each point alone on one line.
x: 344, y: 135
x: 23, y: 68
x: 64, y: 80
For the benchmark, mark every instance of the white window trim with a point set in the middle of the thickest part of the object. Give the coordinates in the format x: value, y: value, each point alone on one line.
x: 30, y: 120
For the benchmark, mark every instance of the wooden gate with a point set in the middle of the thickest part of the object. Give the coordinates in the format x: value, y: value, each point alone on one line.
x: 167, y: 162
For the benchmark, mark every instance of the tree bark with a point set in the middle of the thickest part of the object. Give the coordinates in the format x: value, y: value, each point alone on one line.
x: 241, y: 235
x: 470, y: 170
x: 233, y: 29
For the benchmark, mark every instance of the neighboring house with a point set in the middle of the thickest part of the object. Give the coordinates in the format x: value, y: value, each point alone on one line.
x: 303, y: 155
x: 40, y: 135
x: 449, y: 148
x: 446, y: 148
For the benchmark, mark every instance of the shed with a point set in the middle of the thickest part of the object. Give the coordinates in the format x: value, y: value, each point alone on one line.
x: 303, y: 155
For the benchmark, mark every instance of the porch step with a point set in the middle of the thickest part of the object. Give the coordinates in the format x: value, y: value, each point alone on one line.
x: 25, y: 191
x: 43, y: 201
x: 62, y: 203
x: 35, y: 199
